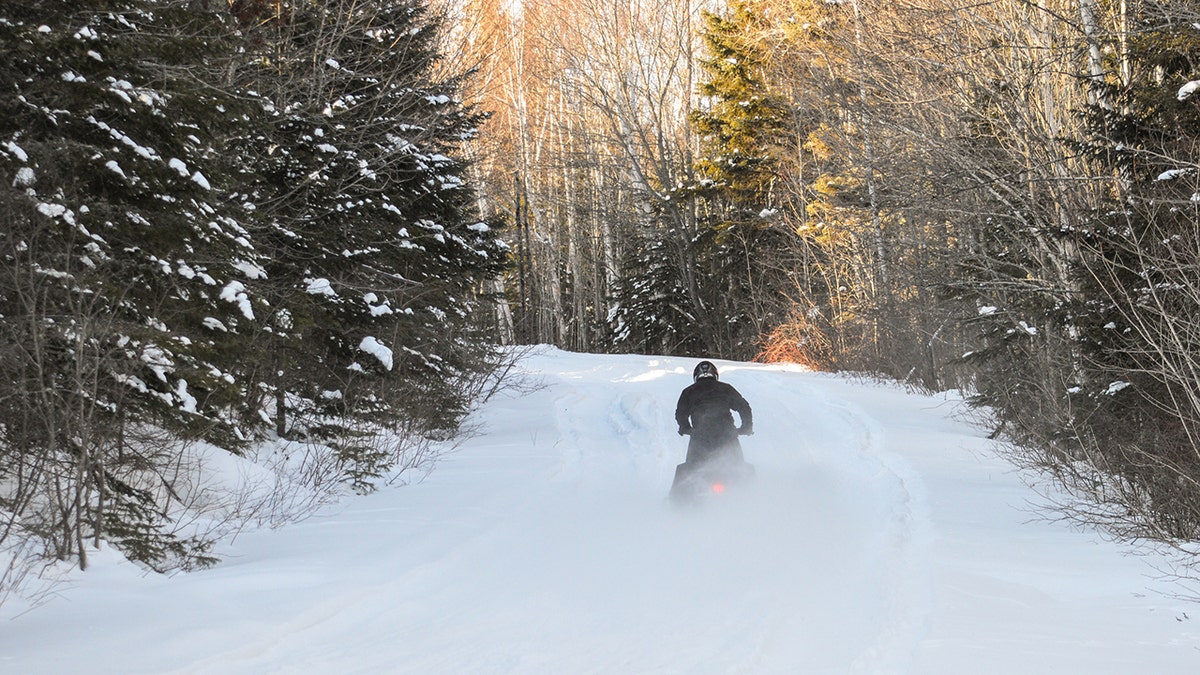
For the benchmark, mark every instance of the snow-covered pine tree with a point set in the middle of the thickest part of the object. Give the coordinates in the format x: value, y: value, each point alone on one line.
x: 368, y: 224
x: 121, y: 295
x: 707, y: 274
x: 743, y: 126
x: 655, y: 310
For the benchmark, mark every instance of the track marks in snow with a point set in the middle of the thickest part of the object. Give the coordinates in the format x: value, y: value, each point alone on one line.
x: 903, y: 544
x: 573, y: 560
x: 835, y: 520
x: 546, y: 544
x: 847, y: 457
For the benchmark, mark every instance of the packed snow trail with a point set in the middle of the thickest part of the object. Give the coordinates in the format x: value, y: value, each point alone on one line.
x: 880, y: 537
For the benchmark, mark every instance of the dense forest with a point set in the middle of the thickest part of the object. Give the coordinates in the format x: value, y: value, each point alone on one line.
x: 298, y: 231
x: 237, y: 228
x: 997, y: 196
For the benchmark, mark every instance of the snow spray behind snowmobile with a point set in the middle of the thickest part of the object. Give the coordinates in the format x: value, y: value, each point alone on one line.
x: 713, y: 478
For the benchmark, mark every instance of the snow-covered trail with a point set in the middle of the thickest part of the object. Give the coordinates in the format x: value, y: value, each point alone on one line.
x: 881, y: 537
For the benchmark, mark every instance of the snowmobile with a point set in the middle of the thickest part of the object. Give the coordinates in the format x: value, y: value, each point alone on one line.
x: 713, y: 478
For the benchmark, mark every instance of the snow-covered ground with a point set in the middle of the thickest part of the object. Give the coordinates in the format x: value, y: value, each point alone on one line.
x: 882, y: 536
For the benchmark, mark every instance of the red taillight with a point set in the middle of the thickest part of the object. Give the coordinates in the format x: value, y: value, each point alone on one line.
x: 718, y: 488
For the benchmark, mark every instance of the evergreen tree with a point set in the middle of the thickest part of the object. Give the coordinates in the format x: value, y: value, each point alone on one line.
x: 123, y: 286
x: 208, y: 216
x: 741, y: 123
x: 374, y: 248
x: 658, y: 310
x: 714, y: 272
x: 743, y: 128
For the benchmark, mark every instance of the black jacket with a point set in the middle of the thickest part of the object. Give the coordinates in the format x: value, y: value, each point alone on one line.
x: 704, y: 411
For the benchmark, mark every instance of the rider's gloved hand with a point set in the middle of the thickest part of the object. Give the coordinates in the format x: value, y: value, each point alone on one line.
x: 684, y: 430
x: 746, y: 430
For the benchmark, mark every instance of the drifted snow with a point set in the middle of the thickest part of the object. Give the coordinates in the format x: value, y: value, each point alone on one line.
x: 187, y: 402
x: 16, y: 151
x: 51, y: 210
x: 214, y: 324
x: 1172, y: 174
x: 1114, y: 387
x: 321, y: 286
x: 25, y: 177
x: 199, y: 179
x: 235, y: 292
x: 377, y: 349
x: 250, y: 269
x: 883, y: 536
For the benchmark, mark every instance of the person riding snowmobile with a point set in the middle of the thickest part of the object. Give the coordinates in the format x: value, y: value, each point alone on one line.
x: 704, y: 412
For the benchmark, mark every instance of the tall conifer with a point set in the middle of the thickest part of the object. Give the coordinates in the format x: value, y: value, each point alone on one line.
x: 123, y: 286
x: 374, y: 246
x: 743, y: 127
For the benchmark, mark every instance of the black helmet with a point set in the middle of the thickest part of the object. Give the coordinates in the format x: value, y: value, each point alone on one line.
x: 704, y: 369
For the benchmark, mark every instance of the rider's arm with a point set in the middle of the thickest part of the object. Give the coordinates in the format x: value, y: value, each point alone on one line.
x: 683, y: 413
x: 742, y: 408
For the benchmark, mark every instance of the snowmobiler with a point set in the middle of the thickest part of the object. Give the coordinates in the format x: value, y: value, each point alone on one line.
x: 714, y: 455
